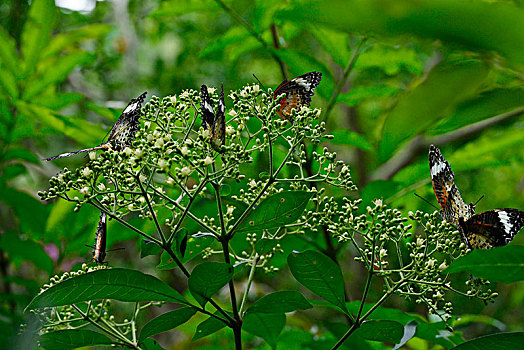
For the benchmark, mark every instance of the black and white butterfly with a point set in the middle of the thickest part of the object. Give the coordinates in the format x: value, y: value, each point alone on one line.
x: 99, y: 252
x: 492, y: 228
x: 298, y: 93
x: 213, y: 121
x: 486, y: 230
x: 122, y: 133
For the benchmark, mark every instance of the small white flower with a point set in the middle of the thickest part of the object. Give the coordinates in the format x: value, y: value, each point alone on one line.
x: 128, y: 151
x: 378, y: 202
x: 173, y: 99
x: 159, y: 142
x: 420, y: 242
x: 84, y: 191
x: 156, y: 133
x: 130, y: 207
x: 150, y: 137
x: 101, y: 187
x: 185, y: 171
x: 147, y: 125
x: 317, y: 112
x: 184, y: 150
x: 208, y: 160
x: 252, y: 183
x: 169, y: 181
x: 230, y: 210
x: 211, y: 90
x: 230, y: 130
x: 383, y: 253
x: 142, y: 178
x: 139, y: 153
x: 232, y: 113
x: 86, y: 172
x: 92, y: 155
x: 443, y: 266
x: 256, y: 88
x: 184, y: 94
x: 244, y: 93
x: 205, y: 133
x: 162, y: 164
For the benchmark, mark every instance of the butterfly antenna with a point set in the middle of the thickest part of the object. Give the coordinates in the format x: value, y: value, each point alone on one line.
x: 478, y: 200
x: 425, y: 200
x: 263, y: 87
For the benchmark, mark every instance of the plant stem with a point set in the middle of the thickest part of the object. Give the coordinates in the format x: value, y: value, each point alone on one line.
x: 249, y: 280
x: 153, y: 214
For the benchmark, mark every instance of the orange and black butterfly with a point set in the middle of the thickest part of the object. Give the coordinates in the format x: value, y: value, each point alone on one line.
x: 99, y: 252
x: 298, y: 93
x: 213, y: 121
x: 489, y: 229
x: 122, y: 133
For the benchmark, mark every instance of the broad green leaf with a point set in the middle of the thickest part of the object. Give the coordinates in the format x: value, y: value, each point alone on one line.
x: 151, y: 344
x: 9, y: 84
x: 379, y: 189
x: 465, y: 320
x: 59, y: 100
x: 319, y: 274
x: 276, y: 211
x: 384, y: 313
x: 300, y: 63
x: 233, y: 35
x: 424, y: 103
x: 31, y: 213
x: 280, y: 302
x: 21, y: 251
x: 195, y: 246
x: 37, y: 32
x: 19, y: 153
x: 265, y: 245
x: 488, y: 104
x: 166, y: 322
x: 117, y: 284
x: 8, y: 54
x: 208, y: 278
x: 351, y: 138
x: 335, y: 43
x: 381, y: 330
x: 499, y: 341
x: 501, y: 264
x: 409, y: 332
x: 209, y: 326
x: 474, y: 25
x: 266, y: 326
x: 366, y: 92
x: 391, y: 59
x: 438, y: 333
x: 181, y: 238
x: 72, y: 38
x: 148, y: 247
x: 72, y: 339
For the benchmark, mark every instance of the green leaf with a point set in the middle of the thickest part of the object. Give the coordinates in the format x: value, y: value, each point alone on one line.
x: 151, y: 344
x: 440, y: 90
x: 195, y: 246
x: 280, y: 302
x: 208, y: 278
x: 335, y: 43
x: 265, y: 245
x: 351, y: 138
x: 19, y: 153
x: 71, y: 39
x: 499, y: 341
x: 501, y: 264
x: 367, y: 92
x: 117, y: 284
x: 61, y: 68
x: 409, y: 332
x: 27, y: 250
x: 319, y: 274
x: 8, y: 54
x: 209, y: 326
x: 148, y: 247
x: 37, y: 32
x: 181, y: 238
x: 58, y: 101
x: 9, y: 84
x: 276, y: 211
x: 266, y: 326
x: 72, y: 339
x: 474, y: 25
x: 381, y: 330
x: 166, y: 322
x: 489, y: 104
x: 233, y: 35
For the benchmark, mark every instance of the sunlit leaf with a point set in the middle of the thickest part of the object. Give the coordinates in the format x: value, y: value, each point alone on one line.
x: 148, y: 247
x: 335, y: 43
x: 280, y: 302
x: 276, y: 211
x: 319, y: 274
x: 166, y: 322
x: 117, y: 284
x: 500, y: 341
x: 266, y: 326
x: 208, y: 278
x: 72, y: 339
x: 501, y: 264
x: 209, y: 326
x: 351, y: 138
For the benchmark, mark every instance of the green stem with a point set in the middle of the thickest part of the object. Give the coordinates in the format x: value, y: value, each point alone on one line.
x: 249, y: 280
x: 153, y: 214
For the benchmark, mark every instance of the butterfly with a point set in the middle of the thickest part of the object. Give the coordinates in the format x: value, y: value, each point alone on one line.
x: 486, y: 230
x: 99, y: 252
x: 298, y: 93
x: 122, y: 133
x: 492, y: 228
x: 215, y: 122
x: 447, y: 193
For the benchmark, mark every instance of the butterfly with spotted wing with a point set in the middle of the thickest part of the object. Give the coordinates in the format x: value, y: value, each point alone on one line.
x: 298, y: 93
x: 213, y: 121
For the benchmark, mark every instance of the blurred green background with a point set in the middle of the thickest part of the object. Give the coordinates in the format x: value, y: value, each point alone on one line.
x: 397, y: 76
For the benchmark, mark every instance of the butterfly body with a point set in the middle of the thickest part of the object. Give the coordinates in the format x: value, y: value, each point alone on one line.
x: 298, y: 92
x: 122, y: 133
x: 213, y: 121
x: 99, y: 252
x: 447, y: 193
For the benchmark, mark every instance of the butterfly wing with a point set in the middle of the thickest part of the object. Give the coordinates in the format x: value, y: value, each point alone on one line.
x: 492, y: 228
x: 447, y: 193
x: 298, y: 92
x: 125, y: 128
x: 208, y: 115
x: 215, y: 122
x: 99, y: 253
